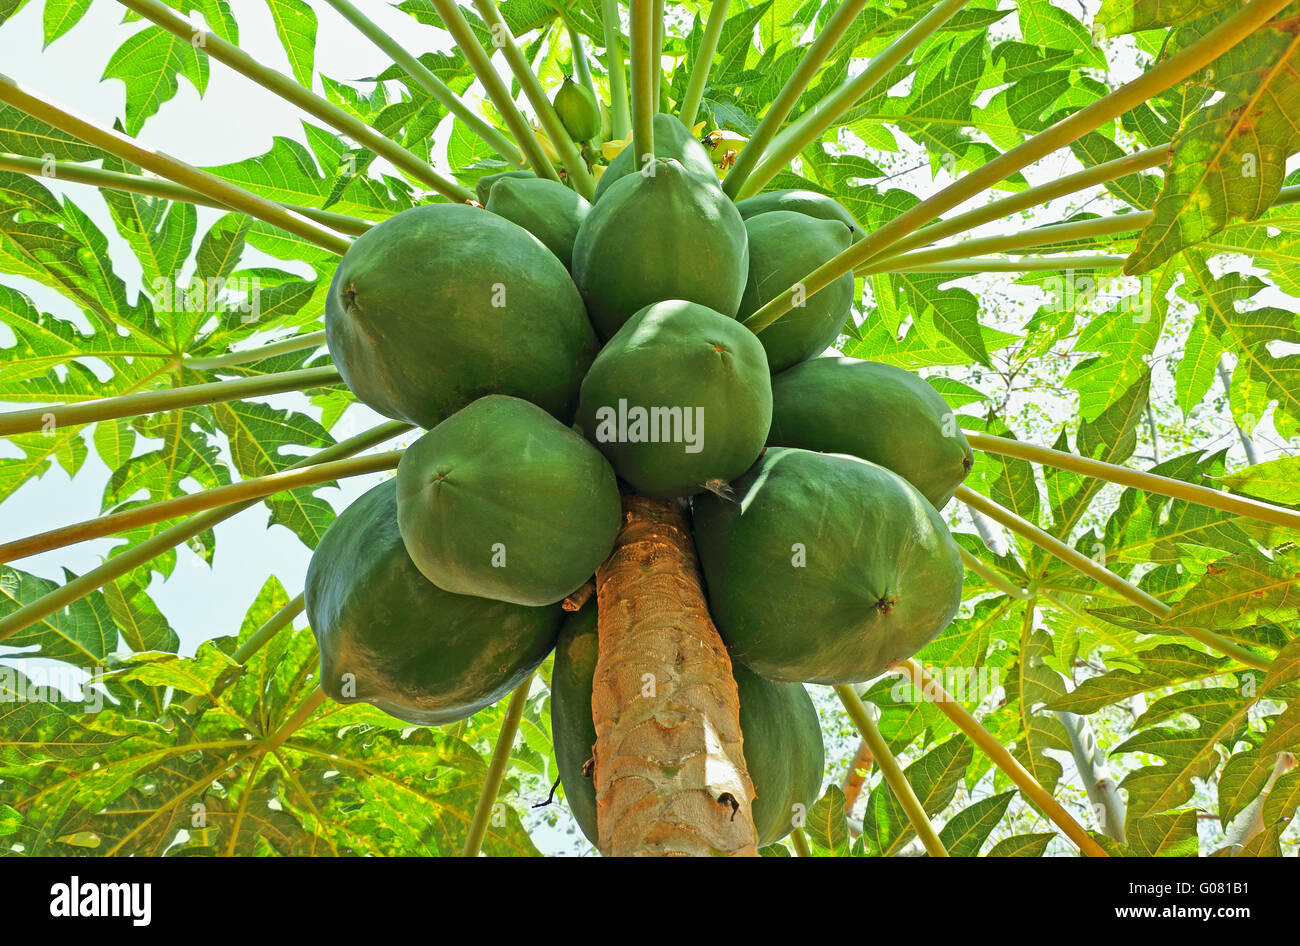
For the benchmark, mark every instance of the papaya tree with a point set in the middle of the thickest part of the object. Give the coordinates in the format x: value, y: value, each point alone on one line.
x: 724, y: 379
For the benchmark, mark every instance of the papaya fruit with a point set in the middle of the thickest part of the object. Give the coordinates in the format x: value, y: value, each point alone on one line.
x: 782, y: 735
x: 876, y: 412
x: 483, y: 186
x: 390, y: 637
x: 573, y: 730
x: 444, y: 303
x: 672, y: 140
x: 679, y: 399
x: 784, y: 247
x: 503, y: 501
x: 666, y: 235
x: 800, y: 201
x: 578, y: 110
x: 825, y: 568
x: 546, y: 209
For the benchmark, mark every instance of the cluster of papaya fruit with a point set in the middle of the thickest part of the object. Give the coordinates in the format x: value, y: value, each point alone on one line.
x: 558, y: 353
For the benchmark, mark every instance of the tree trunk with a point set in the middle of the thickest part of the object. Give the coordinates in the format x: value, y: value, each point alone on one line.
x: 669, y: 770
x: 1103, y: 792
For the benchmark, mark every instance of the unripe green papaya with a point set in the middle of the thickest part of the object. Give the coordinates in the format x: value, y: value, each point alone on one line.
x: 444, y: 303
x: 825, y: 568
x: 503, y: 501
x: 800, y: 201
x: 546, y: 209
x: 784, y: 247
x: 573, y: 731
x: 483, y: 186
x: 783, y: 745
x: 672, y: 140
x: 876, y: 412
x: 679, y: 400
x: 390, y: 637
x: 665, y: 235
x: 578, y: 110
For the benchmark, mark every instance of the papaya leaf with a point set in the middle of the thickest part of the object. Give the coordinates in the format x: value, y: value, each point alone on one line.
x: 1160, y: 666
x: 1187, y: 753
x: 1130, y: 16
x: 1274, y: 481
x: 934, y: 778
x: 295, y: 24
x: 826, y: 827
x: 1162, y: 835
x: 1229, y: 159
x: 83, y: 633
x: 148, y: 64
x: 1032, y: 685
x: 1240, y: 782
x: 1043, y: 24
x: 1240, y: 590
x: 59, y: 16
x: 1264, y: 844
x: 1284, y: 798
x: 1022, y: 845
x: 965, y: 832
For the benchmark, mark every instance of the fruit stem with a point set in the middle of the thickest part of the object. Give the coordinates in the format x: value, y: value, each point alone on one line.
x: 644, y: 82
x: 259, y: 638
x: 146, y: 551
x: 1131, y: 593
x: 304, y: 98
x: 581, y: 69
x: 889, y: 768
x: 810, y: 126
x: 702, y: 64
x: 1021, y: 264
x: 620, y: 125
x: 254, y: 488
x: 496, y: 89
x: 1041, y: 194
x: 657, y: 50
x: 54, y: 416
x: 129, y: 149
x: 157, y: 187
x: 1161, y: 77
x: 244, y: 356
x: 993, y: 578
x: 440, y: 91
x: 577, y: 170
x: 800, y: 842
x: 294, y: 722
x: 788, y: 97
x: 496, y: 769
x: 1049, y: 543
x: 1004, y: 760
x: 1025, y: 239
x: 1139, y: 479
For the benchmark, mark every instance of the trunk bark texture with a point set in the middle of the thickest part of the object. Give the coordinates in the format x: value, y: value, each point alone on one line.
x: 669, y: 769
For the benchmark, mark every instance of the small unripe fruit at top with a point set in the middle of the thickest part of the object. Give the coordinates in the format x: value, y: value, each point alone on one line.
x: 578, y: 110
